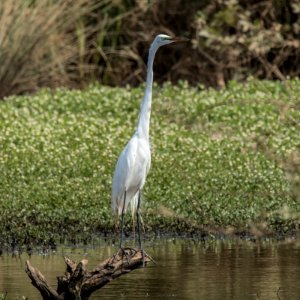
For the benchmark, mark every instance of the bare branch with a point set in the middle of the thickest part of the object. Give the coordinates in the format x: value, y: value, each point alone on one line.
x: 79, y: 283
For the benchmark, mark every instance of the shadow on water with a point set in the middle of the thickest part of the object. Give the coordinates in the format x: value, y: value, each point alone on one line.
x: 185, y: 269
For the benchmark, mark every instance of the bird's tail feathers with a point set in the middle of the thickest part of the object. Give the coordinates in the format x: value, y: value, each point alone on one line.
x: 133, y: 205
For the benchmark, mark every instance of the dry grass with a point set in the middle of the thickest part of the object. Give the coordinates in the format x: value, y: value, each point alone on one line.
x: 42, y: 42
x: 70, y: 42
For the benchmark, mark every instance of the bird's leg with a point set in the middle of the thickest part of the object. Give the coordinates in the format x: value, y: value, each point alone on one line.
x: 133, y: 228
x: 121, y: 249
x: 122, y: 225
x: 121, y: 252
x: 138, y: 217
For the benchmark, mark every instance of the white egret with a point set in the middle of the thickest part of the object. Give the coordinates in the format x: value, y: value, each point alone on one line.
x: 134, y: 162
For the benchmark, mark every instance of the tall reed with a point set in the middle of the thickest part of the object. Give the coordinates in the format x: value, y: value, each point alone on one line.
x: 42, y: 43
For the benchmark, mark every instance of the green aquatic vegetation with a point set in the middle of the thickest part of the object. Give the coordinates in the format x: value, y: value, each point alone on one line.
x: 220, y: 158
x: 4, y: 296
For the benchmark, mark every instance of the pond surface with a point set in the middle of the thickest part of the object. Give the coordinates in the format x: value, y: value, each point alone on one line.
x: 185, y: 269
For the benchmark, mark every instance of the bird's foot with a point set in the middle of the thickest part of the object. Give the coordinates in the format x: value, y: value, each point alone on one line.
x: 145, y: 254
x: 127, y: 252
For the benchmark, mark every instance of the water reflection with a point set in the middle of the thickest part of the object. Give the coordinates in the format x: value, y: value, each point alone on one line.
x: 185, y: 269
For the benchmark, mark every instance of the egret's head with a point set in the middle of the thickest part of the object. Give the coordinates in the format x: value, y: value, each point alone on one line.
x: 163, y: 39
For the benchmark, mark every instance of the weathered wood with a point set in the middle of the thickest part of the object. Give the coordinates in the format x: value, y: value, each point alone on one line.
x: 79, y: 283
x: 40, y: 282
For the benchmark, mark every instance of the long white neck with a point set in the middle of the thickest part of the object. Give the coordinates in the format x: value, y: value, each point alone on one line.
x: 145, y: 111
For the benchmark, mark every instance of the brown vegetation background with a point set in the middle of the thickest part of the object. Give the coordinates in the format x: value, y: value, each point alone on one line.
x: 71, y: 43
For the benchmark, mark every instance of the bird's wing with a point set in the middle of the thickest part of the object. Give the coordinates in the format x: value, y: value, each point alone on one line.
x: 148, y: 165
x: 130, y: 153
x: 122, y: 174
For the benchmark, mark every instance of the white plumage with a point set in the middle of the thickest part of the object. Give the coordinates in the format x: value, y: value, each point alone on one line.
x: 130, y: 174
x: 134, y: 162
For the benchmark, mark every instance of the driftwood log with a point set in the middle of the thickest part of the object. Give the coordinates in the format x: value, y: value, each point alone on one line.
x: 79, y: 283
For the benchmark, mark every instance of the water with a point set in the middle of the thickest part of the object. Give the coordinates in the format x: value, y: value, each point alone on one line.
x: 185, y: 269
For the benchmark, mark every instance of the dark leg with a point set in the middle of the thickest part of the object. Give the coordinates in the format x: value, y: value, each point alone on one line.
x: 138, y: 217
x: 122, y: 225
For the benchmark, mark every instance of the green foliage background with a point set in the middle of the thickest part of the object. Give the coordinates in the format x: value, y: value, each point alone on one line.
x: 221, y: 159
